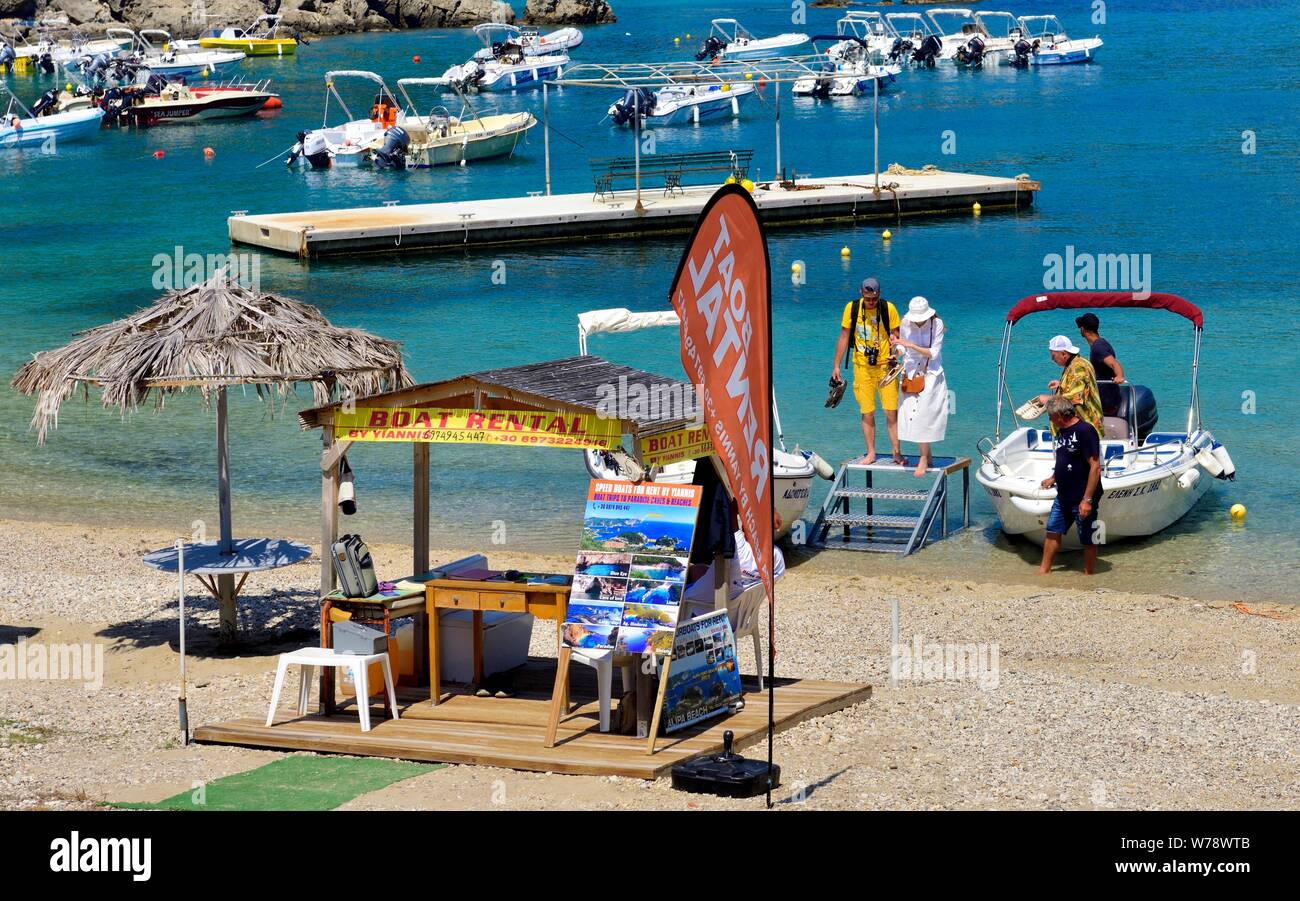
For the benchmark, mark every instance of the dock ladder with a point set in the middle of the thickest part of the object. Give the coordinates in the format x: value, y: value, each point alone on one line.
x: 898, y: 517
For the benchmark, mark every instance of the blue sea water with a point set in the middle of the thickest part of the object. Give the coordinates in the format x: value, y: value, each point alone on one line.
x: 1139, y: 153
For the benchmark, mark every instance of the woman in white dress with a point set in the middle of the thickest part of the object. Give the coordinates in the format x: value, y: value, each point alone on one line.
x: 923, y: 408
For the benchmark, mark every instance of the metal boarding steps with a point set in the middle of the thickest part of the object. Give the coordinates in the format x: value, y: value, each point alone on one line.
x: 885, y: 523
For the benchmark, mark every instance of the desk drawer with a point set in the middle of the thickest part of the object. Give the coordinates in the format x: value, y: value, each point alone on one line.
x: 454, y: 597
x: 512, y: 601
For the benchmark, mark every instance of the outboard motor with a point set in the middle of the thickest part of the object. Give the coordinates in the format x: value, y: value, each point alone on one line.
x: 901, y: 49
x: 114, y: 103
x: 95, y: 68
x: 316, y: 150
x: 822, y: 86
x: 45, y: 63
x: 393, y: 154
x: 47, y: 104
x: 971, y: 53
x: 1022, y: 51
x: 1134, y: 401
x: 712, y: 46
x: 7, y: 57
x: 928, y: 53
x: 639, y: 102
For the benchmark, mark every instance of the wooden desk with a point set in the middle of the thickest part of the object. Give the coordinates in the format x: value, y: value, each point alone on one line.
x: 544, y: 601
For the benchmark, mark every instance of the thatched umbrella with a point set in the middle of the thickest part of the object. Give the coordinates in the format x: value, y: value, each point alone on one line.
x: 209, y: 337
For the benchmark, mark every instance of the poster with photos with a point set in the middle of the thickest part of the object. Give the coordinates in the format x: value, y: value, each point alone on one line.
x: 631, y: 569
x: 704, y: 679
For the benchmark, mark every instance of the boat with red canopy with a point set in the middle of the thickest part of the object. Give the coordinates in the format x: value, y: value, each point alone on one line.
x: 1150, y: 479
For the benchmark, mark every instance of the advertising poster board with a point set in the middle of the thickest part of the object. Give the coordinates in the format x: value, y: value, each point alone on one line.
x: 631, y: 568
x: 705, y: 678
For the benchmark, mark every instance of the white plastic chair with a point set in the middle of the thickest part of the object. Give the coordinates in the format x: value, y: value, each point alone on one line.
x: 602, y: 661
x: 743, y: 612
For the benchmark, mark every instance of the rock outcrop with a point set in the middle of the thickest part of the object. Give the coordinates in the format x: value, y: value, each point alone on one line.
x: 183, y: 17
x: 568, y: 12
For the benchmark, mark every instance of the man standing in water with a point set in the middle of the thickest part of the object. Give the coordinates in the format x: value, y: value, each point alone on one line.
x: 1077, y: 477
x: 871, y: 323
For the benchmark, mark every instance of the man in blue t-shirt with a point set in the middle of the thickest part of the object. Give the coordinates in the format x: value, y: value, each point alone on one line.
x: 1077, y: 478
x: 1102, y: 356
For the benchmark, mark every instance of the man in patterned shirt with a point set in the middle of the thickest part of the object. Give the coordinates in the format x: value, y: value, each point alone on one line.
x: 1078, y: 382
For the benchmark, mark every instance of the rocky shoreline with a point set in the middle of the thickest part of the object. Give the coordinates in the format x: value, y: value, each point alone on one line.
x: 183, y: 18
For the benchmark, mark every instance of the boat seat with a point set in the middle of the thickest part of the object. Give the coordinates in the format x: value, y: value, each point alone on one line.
x: 1115, y: 427
x: 1113, y: 460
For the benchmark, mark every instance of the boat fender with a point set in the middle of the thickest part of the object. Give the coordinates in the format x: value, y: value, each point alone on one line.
x: 1187, y: 481
x: 822, y: 468
x: 1229, y: 471
x: 1206, y: 458
x: 1032, y: 506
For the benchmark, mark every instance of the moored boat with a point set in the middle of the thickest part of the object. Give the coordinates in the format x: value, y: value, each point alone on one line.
x: 261, y: 38
x: 680, y: 103
x: 850, y: 68
x: 21, y: 127
x: 730, y: 40
x: 1044, y: 43
x: 533, y: 42
x: 508, y: 67
x: 1150, y: 479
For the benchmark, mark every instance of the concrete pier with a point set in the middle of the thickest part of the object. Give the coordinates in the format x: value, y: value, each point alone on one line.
x: 568, y: 217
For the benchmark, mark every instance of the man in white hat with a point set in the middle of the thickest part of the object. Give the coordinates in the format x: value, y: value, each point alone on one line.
x: 923, y: 410
x: 1078, y: 382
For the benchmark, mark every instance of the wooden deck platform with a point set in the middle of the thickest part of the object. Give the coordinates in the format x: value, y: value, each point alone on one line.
x: 560, y: 217
x: 509, y: 732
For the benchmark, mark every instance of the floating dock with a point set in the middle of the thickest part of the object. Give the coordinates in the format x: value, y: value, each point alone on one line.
x: 567, y: 217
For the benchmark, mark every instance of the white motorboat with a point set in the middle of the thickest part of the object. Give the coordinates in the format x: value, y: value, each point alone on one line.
x: 438, y: 138
x: 1149, y: 480
x: 793, y: 470
x: 508, y: 67
x: 730, y: 40
x: 350, y: 142
x: 1000, y: 33
x: 869, y: 26
x: 914, y: 40
x: 396, y: 136
x: 673, y: 104
x: 50, y: 51
x: 154, y: 51
x: 1045, y: 43
x: 533, y: 42
x: 850, y: 68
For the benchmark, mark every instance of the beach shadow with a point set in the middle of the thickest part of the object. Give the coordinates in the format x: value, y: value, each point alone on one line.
x: 15, y: 634
x: 809, y: 790
x: 269, y: 623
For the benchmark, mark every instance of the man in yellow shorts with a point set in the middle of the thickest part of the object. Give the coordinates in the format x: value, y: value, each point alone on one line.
x: 877, y: 322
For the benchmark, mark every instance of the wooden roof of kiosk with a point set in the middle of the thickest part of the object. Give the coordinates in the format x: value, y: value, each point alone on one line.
x: 573, y: 385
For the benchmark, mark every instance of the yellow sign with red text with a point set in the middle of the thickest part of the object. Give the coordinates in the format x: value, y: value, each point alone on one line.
x: 674, y: 447
x: 440, y: 425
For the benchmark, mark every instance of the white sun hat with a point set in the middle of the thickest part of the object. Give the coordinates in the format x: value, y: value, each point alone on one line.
x: 919, y: 309
x: 1060, y: 342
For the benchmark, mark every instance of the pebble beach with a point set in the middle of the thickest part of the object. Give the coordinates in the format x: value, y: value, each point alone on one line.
x: 1198, y: 701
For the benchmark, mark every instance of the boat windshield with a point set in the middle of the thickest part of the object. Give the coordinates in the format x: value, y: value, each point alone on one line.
x: 731, y: 31
x: 957, y: 21
x: 861, y: 25
x: 1042, y: 27
x: 999, y: 24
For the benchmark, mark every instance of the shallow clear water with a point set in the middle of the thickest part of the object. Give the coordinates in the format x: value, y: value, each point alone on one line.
x: 1138, y: 153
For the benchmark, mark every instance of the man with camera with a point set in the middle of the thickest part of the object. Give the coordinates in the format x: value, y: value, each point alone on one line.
x: 870, y: 323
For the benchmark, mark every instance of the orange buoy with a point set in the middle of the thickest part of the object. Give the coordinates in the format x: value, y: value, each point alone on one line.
x: 209, y: 153
x: 273, y: 103
x: 159, y: 154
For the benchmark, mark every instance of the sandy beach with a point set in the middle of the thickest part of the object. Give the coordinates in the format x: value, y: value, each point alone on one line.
x: 1099, y: 698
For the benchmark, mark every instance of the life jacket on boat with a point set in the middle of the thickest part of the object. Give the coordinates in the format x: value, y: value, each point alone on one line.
x: 384, y: 112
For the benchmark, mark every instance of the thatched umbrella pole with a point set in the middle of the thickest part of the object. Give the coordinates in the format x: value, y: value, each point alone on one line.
x: 229, y: 618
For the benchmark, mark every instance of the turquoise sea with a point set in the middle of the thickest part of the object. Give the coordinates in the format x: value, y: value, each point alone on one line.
x: 1139, y: 153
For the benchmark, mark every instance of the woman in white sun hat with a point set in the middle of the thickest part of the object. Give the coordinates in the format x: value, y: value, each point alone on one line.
x: 923, y: 409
